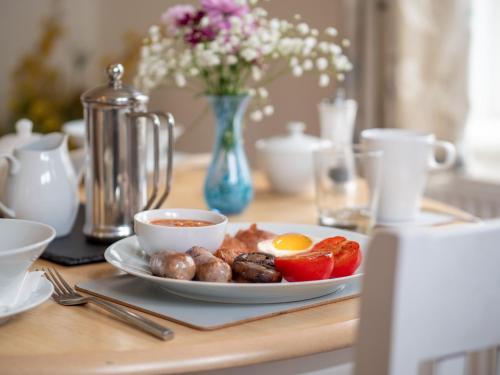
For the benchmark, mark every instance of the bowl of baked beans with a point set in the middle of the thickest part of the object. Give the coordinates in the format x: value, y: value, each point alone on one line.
x: 179, y: 229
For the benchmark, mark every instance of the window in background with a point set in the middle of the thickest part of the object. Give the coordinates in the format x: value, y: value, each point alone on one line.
x: 482, y: 137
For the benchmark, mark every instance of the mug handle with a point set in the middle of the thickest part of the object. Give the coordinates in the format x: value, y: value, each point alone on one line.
x: 450, y: 152
x: 14, y: 166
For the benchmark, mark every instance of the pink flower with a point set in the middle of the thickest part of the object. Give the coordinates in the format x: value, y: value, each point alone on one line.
x: 220, y: 11
x: 178, y: 16
x: 225, y: 8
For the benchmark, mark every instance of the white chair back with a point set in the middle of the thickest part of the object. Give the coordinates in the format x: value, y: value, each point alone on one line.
x: 430, y: 295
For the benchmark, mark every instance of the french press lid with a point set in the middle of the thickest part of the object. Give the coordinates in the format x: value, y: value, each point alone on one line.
x: 114, y: 93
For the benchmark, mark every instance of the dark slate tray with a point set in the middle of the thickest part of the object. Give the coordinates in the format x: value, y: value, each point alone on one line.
x: 74, y: 249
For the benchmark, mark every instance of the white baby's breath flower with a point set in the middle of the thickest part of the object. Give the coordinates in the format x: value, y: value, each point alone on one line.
x: 314, y: 32
x: 340, y: 77
x: 310, y: 41
x: 342, y: 62
x: 297, y: 71
x: 284, y: 26
x: 331, y: 31
x: 234, y: 40
x: 161, y: 71
x: 256, y: 73
x: 324, y: 80
x: 253, y: 42
x: 231, y: 60
x: 259, y: 12
x: 249, y: 54
x: 257, y: 116
x: 154, y: 33
x: 267, y: 49
x: 274, y: 24
x: 199, y: 48
x: 303, y: 28
x: 346, y: 43
x: 185, y: 59
x: 297, y: 17
x: 180, y: 80
x: 324, y: 47
x: 294, y: 61
x: 253, y: 2
x: 145, y: 52
x: 155, y: 48
x: 263, y: 93
x: 264, y: 36
x: 252, y: 92
x: 207, y: 58
x: 307, y: 65
x: 335, y: 49
x: 321, y: 63
x: 235, y: 22
x: 214, y: 46
x: 268, y: 110
x: 205, y: 21
x: 193, y: 72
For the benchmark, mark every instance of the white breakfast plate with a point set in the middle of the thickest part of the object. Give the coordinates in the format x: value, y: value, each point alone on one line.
x: 127, y: 256
x: 42, y: 293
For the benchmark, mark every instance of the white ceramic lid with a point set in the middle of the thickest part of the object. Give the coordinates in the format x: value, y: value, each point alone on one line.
x: 22, y: 136
x: 295, y: 141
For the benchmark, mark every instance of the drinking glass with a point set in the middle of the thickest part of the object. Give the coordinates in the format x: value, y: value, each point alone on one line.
x: 347, y: 179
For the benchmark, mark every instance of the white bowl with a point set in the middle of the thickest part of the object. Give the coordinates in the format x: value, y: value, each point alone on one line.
x: 75, y: 129
x: 288, y: 160
x: 153, y: 238
x: 21, y: 243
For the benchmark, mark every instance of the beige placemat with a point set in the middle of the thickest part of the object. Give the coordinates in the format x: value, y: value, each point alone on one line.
x: 147, y: 297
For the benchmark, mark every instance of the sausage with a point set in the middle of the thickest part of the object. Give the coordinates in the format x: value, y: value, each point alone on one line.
x: 209, y: 267
x: 255, y: 268
x: 172, y: 265
x: 199, y: 254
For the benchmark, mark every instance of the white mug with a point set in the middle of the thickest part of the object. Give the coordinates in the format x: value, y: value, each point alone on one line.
x: 407, y: 157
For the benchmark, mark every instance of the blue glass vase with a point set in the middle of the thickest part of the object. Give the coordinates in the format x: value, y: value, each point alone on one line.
x: 228, y: 185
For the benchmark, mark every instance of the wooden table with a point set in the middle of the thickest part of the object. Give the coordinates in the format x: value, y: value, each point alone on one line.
x: 53, y: 339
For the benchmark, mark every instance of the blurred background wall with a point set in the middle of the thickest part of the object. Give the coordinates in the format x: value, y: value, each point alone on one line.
x: 96, y: 32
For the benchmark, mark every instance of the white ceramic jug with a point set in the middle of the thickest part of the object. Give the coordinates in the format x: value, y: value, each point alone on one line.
x: 42, y: 184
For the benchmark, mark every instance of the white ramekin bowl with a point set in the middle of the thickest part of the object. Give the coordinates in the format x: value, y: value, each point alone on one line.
x: 154, y: 238
x: 21, y: 243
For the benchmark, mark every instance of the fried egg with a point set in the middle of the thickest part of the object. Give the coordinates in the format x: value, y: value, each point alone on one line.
x: 287, y: 244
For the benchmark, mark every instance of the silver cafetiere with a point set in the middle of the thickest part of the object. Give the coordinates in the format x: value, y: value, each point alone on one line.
x: 116, y: 179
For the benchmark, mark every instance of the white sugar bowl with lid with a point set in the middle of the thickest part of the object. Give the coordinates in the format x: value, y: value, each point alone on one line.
x: 288, y: 160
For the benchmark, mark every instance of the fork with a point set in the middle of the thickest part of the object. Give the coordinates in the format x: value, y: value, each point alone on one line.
x: 65, y: 295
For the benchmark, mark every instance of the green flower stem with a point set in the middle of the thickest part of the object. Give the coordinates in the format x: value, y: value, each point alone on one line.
x: 228, y: 141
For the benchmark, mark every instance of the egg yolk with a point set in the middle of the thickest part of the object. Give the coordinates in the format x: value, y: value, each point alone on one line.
x: 292, y: 241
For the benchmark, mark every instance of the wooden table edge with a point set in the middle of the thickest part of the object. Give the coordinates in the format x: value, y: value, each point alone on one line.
x: 319, y: 340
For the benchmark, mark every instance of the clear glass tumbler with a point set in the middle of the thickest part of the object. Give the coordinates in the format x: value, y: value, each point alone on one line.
x: 347, y: 180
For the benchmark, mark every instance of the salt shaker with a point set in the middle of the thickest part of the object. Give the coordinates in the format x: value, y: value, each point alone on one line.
x: 337, y: 118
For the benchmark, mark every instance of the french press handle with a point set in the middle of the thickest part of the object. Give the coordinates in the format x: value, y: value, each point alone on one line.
x: 154, y: 121
x: 169, y: 123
